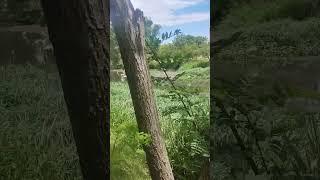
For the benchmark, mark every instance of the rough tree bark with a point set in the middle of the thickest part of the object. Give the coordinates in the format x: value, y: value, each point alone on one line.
x: 129, y: 27
x: 79, y: 32
x: 205, y: 171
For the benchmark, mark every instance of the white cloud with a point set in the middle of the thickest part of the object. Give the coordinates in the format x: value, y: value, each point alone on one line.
x: 163, y: 11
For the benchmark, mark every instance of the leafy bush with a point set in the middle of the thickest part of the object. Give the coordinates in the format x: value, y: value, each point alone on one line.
x: 186, y: 131
x: 183, y: 49
x: 154, y: 64
x: 171, y: 57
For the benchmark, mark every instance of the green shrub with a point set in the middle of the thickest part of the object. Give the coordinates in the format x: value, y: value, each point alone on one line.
x: 186, y: 136
x: 201, y: 62
x: 172, y: 57
x: 154, y: 64
x: 183, y: 49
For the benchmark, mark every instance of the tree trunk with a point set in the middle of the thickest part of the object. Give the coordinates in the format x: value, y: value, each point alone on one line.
x: 79, y: 32
x: 129, y: 27
x: 205, y: 171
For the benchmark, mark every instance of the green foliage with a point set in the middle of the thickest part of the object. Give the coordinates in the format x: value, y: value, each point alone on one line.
x: 283, y: 38
x: 171, y: 57
x: 186, y: 127
x: 196, y: 79
x: 186, y: 136
x: 250, y: 13
x: 184, y: 40
x: 127, y: 156
x: 252, y: 110
x: 279, y: 141
x: 187, y: 146
x: 153, y: 56
x: 153, y: 64
x: 183, y: 49
x: 297, y: 9
x: 222, y: 7
x: 115, y: 56
x: 35, y: 137
x: 152, y: 32
x: 199, y: 62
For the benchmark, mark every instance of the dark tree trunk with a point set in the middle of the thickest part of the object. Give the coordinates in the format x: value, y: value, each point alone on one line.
x: 129, y: 27
x: 79, y: 32
x: 205, y: 171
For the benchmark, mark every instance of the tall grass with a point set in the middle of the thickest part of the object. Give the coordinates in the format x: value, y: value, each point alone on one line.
x: 35, y: 136
x: 36, y: 140
x: 127, y: 156
x: 186, y: 146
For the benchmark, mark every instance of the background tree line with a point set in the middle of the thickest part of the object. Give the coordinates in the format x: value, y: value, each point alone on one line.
x: 182, y: 50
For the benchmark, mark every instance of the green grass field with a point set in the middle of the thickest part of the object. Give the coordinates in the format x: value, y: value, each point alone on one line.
x: 36, y: 140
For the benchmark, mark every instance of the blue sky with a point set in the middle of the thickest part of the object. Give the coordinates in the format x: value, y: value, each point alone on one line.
x: 191, y: 16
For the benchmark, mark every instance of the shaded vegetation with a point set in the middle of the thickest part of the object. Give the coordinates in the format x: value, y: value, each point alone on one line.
x: 36, y: 138
x: 255, y: 131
